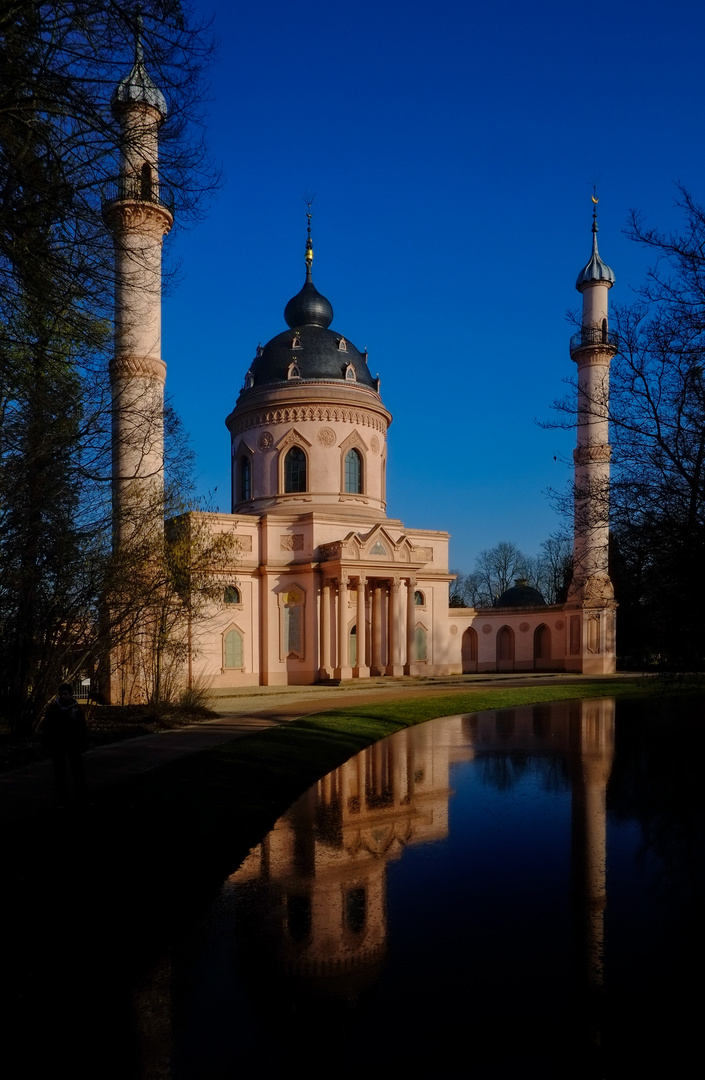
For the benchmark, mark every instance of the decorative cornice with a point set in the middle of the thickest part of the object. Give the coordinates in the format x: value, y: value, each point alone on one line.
x: 124, y: 214
x: 141, y: 367
x: 587, y: 455
x: 593, y: 355
x: 317, y: 413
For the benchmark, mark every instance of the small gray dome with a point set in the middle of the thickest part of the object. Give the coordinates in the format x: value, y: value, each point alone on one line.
x: 596, y: 270
x: 521, y: 594
x: 139, y: 87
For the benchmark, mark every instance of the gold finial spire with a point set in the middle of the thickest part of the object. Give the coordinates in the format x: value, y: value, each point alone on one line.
x: 308, y: 199
x: 595, y: 201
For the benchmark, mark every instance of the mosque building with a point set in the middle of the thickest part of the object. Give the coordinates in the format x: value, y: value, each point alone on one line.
x: 323, y: 584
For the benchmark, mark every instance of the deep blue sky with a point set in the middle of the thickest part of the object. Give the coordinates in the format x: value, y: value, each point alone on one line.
x: 452, y: 148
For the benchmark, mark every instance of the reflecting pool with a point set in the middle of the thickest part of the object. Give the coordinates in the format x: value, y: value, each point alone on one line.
x: 507, y: 894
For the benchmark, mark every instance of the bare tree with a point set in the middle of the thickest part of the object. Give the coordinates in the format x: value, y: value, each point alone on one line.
x: 554, y: 568
x: 59, y: 144
x: 465, y: 590
x: 497, y: 568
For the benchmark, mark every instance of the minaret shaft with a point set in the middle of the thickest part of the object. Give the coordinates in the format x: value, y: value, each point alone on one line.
x: 138, y: 220
x: 592, y: 350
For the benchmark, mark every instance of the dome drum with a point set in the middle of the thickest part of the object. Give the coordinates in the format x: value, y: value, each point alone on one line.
x: 340, y: 438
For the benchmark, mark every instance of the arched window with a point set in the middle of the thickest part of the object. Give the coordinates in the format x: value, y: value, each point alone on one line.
x: 291, y: 624
x: 469, y: 651
x: 419, y: 643
x: 295, y: 470
x: 146, y: 182
x: 245, y: 479
x: 542, y: 643
x: 505, y: 649
x: 353, y: 472
x: 232, y: 649
x: 419, y: 598
x: 231, y: 595
x: 353, y: 647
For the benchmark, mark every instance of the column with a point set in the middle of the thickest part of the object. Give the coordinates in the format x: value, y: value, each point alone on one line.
x: 376, y: 667
x: 343, y: 669
x: 394, y: 666
x: 325, y: 671
x: 361, y: 671
x: 410, y: 624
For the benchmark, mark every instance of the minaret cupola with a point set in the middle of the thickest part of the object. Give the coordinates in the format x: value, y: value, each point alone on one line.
x: 596, y: 272
x: 138, y: 87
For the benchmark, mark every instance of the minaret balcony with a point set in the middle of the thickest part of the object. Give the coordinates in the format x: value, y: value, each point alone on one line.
x: 594, y: 337
x: 134, y: 189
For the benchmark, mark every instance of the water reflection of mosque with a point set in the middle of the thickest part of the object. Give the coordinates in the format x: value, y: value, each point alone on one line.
x: 310, y: 900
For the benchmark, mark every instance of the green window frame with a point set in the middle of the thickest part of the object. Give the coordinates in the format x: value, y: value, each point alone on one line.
x: 233, y: 649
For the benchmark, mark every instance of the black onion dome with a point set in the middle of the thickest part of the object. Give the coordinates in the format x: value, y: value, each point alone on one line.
x: 308, y: 307
x: 309, y: 351
x: 520, y: 595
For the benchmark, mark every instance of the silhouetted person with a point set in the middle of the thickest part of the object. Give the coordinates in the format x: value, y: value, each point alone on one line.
x: 65, y: 737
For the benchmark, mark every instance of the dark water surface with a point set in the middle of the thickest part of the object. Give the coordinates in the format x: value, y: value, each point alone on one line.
x: 508, y: 894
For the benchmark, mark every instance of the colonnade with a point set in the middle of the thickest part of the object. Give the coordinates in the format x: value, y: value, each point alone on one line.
x: 384, y: 617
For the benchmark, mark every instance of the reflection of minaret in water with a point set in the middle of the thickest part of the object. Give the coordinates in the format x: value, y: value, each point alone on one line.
x: 593, y: 751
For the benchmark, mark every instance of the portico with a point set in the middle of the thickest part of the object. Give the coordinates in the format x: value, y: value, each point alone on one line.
x: 368, y: 622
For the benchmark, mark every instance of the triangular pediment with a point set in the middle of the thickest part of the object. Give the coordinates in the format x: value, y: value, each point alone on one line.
x: 378, y: 545
x: 293, y: 438
x: 237, y: 448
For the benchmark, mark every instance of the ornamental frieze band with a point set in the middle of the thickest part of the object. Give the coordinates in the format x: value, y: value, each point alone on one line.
x: 147, y: 217
x: 309, y: 412
x: 146, y: 366
x: 585, y: 454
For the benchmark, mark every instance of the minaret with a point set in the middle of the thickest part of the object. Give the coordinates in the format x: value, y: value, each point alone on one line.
x: 592, y: 349
x: 138, y: 217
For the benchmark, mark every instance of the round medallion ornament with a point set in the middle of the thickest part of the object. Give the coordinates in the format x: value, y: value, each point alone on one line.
x: 523, y: 626
x: 326, y: 437
x: 454, y: 630
x: 487, y: 629
x: 265, y: 441
x: 374, y: 443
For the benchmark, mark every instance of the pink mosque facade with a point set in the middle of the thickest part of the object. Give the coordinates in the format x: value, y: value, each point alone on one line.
x: 323, y: 584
